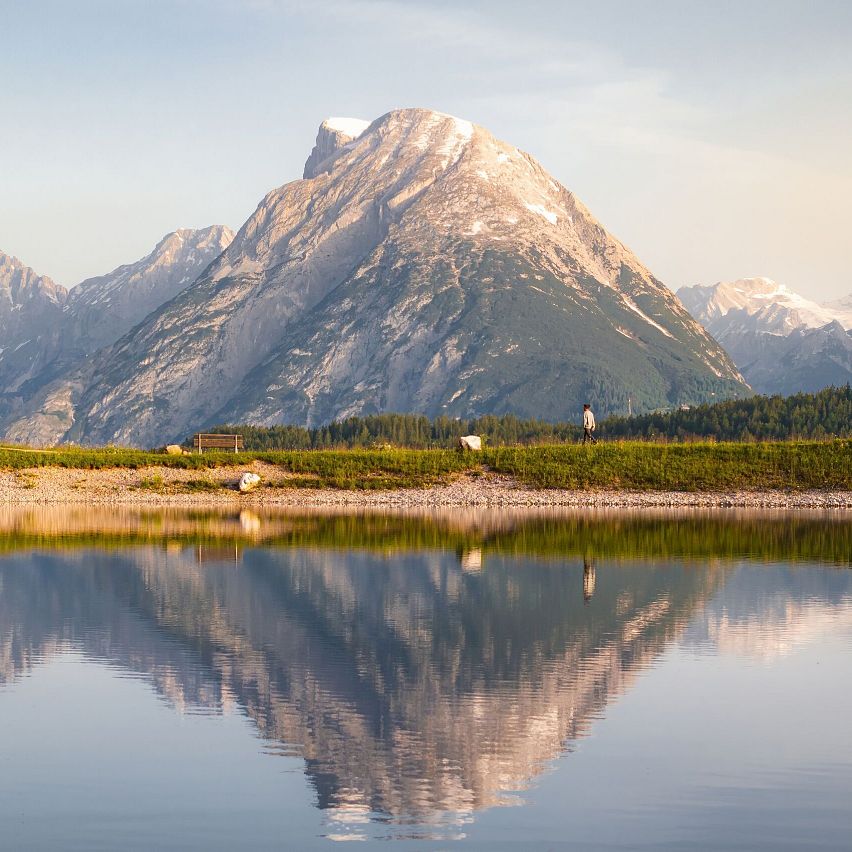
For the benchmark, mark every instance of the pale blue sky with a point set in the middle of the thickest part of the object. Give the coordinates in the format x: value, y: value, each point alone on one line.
x: 714, y: 138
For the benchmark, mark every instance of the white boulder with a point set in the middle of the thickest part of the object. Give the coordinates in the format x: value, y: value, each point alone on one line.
x: 248, y: 482
x: 174, y: 450
x: 470, y: 442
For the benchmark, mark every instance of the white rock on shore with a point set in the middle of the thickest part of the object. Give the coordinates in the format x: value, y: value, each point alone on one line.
x: 248, y: 482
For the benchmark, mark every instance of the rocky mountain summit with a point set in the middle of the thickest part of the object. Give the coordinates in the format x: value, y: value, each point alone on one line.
x: 333, y: 135
x: 781, y: 341
x: 421, y: 265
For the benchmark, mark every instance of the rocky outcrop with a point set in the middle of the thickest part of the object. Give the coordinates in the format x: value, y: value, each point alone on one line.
x: 333, y: 135
x: 248, y: 482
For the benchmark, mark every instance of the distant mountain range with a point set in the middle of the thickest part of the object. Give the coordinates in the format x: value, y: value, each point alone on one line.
x: 107, y: 307
x: 48, y: 332
x: 781, y: 342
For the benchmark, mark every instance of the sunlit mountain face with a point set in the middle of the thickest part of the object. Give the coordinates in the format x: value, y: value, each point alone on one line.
x: 426, y: 672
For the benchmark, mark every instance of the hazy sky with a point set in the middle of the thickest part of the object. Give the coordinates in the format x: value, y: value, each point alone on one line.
x: 713, y: 137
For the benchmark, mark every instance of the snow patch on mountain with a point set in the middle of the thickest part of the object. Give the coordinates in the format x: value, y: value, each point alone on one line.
x: 541, y: 210
x: 351, y: 127
x: 639, y: 312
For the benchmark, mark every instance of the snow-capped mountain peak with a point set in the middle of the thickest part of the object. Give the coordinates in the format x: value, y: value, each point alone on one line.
x: 781, y: 341
x: 333, y: 135
x: 423, y: 265
x: 762, y: 305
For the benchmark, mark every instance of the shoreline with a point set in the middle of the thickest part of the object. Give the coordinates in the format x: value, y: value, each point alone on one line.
x: 157, y: 486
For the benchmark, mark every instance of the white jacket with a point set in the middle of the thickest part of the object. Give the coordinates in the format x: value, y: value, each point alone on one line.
x: 588, y: 420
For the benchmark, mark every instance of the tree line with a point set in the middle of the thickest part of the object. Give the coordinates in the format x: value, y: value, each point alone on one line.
x: 827, y: 413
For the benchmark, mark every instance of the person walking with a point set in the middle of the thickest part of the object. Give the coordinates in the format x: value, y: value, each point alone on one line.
x: 588, y: 424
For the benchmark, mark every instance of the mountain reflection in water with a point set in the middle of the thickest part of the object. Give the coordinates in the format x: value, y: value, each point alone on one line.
x: 424, y: 667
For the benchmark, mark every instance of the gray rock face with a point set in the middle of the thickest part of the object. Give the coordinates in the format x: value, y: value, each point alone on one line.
x: 426, y: 267
x: 781, y: 342
x: 807, y: 359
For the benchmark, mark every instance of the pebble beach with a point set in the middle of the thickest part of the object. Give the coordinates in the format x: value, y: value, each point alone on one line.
x: 164, y: 486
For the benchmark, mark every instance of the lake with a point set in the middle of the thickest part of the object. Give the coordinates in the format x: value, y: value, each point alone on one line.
x: 460, y: 679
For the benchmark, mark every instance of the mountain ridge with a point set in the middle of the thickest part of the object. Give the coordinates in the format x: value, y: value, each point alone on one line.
x: 40, y: 404
x: 31, y: 310
x: 107, y: 306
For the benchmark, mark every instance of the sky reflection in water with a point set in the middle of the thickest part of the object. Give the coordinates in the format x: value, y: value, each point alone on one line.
x: 472, y: 679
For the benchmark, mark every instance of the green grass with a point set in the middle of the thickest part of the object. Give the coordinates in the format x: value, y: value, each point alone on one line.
x: 629, y: 465
x: 681, y: 467
x: 344, y: 469
x: 152, y: 483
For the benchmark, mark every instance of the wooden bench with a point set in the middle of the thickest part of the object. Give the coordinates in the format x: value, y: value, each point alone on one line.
x: 202, y: 442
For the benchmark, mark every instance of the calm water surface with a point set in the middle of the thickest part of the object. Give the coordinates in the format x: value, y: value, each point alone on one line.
x: 478, y: 679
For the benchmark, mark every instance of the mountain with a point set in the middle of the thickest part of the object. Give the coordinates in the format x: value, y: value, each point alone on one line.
x: 103, y: 309
x: 782, y: 342
x: 760, y: 304
x: 333, y: 134
x: 31, y: 312
x: 48, y: 331
x: 424, y: 266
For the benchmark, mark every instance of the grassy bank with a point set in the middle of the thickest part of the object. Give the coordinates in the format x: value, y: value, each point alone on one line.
x: 681, y: 467
x: 629, y: 465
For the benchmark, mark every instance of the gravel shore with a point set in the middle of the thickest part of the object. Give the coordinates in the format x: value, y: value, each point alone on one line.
x: 162, y: 486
